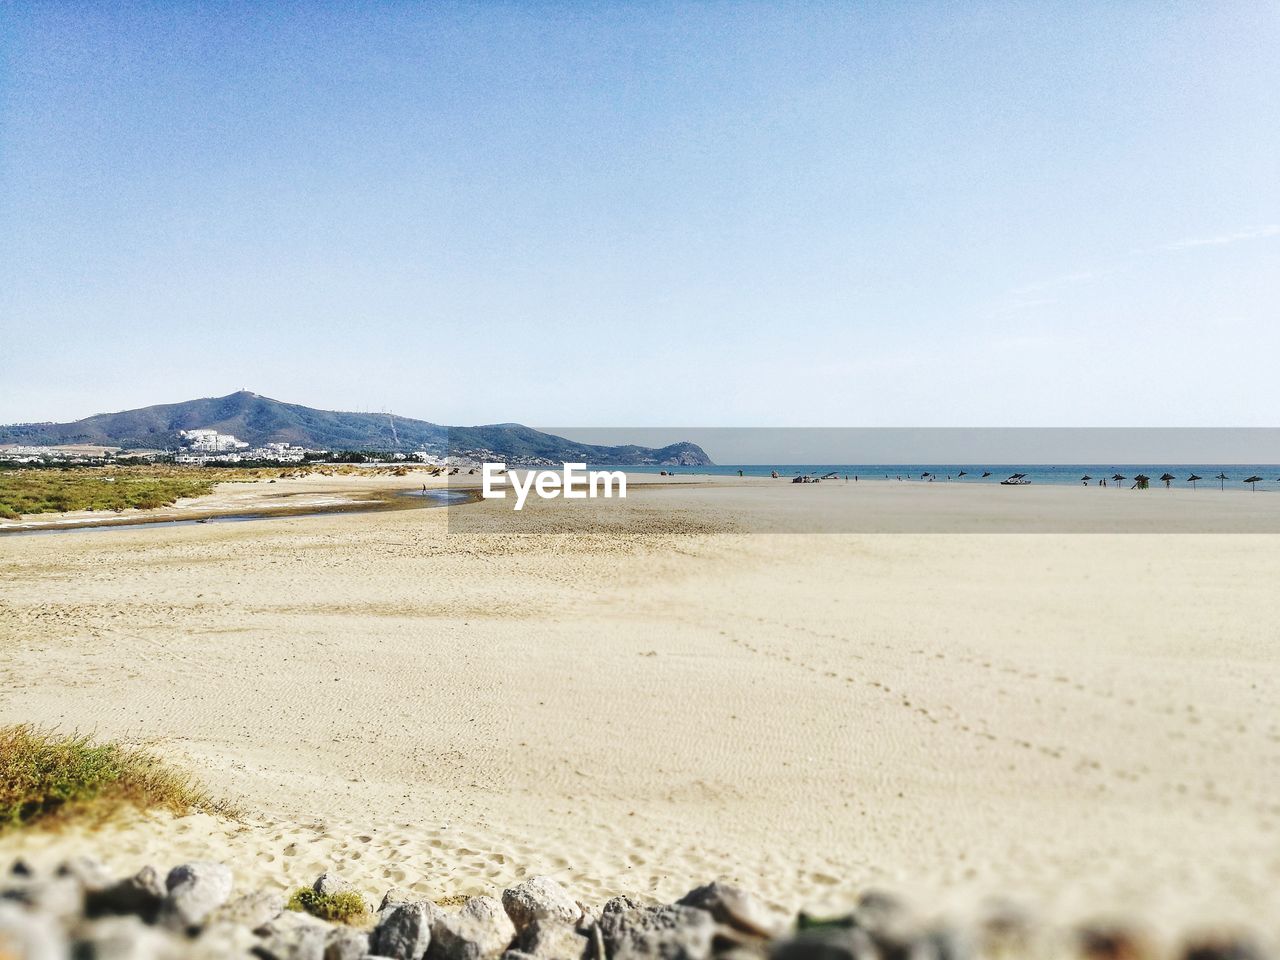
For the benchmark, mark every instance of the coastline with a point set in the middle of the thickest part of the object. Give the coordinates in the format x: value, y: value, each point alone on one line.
x: 760, y: 504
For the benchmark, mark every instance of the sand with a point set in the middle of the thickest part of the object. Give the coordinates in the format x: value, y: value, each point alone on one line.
x: 1088, y: 723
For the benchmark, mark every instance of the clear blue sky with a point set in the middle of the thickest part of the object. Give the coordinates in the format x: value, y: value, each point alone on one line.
x: 646, y: 214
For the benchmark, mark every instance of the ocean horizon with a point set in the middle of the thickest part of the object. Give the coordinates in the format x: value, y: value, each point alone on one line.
x: 1069, y: 474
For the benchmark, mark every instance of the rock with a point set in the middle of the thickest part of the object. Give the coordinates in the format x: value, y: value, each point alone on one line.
x: 892, y: 925
x: 540, y: 898
x: 671, y: 932
x: 60, y: 897
x: 293, y: 936
x: 346, y: 944
x: 735, y: 908
x: 195, y: 890
x: 396, y: 896
x: 251, y: 910
x: 126, y: 938
x: 218, y: 940
x: 732, y: 943
x: 621, y: 903
x: 1112, y: 942
x: 404, y: 931
x: 481, y: 930
x: 827, y: 943
x: 29, y: 936
x: 142, y: 894
x: 945, y: 943
x: 551, y: 940
x: 1221, y: 947
x: 88, y: 871
x: 329, y: 884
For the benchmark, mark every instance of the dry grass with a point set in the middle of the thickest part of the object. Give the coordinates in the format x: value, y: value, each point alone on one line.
x: 49, y: 777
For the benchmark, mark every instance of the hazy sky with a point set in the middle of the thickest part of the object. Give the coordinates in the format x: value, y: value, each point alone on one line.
x: 722, y: 214
x: 971, y: 446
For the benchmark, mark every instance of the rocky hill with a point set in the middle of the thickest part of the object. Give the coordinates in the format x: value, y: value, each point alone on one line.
x: 258, y: 420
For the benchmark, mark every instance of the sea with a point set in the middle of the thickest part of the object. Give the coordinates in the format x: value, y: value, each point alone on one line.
x: 1070, y: 474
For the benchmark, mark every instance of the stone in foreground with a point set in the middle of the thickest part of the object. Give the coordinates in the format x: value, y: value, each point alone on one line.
x: 195, y: 890
x: 481, y: 930
x: 734, y: 907
x: 676, y: 932
x: 404, y: 931
x: 540, y: 898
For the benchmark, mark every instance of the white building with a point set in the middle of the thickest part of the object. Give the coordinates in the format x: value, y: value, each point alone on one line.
x: 211, y: 441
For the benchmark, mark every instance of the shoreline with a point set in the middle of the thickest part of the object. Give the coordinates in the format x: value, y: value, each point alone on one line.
x: 764, y: 505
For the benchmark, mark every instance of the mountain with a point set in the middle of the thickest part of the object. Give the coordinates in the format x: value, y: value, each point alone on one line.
x: 258, y: 420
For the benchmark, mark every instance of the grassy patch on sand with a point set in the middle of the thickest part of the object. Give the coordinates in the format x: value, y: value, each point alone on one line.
x: 46, y: 776
x: 345, y: 906
x: 58, y: 491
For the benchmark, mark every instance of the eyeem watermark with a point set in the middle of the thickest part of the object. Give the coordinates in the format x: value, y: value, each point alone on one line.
x: 574, y: 482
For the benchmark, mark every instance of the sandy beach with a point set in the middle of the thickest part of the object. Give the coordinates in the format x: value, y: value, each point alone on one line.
x: 1085, y: 722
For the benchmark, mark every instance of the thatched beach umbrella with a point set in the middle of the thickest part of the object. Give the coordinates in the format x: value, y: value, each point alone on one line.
x: 1222, y: 478
x: 1086, y: 478
x: 1141, y: 481
x: 962, y: 473
x: 1192, y: 480
x: 1252, y: 482
x: 1166, y: 478
x: 1118, y: 478
x: 986, y: 473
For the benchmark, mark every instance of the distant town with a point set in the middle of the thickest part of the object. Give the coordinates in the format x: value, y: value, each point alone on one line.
x: 210, y: 448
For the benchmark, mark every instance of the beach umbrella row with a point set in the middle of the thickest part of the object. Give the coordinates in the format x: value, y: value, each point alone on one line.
x: 1140, y: 480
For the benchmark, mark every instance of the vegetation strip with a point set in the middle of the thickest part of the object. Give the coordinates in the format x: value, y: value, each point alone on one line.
x: 46, y: 776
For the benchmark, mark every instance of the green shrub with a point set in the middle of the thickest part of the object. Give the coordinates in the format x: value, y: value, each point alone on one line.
x: 345, y: 906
